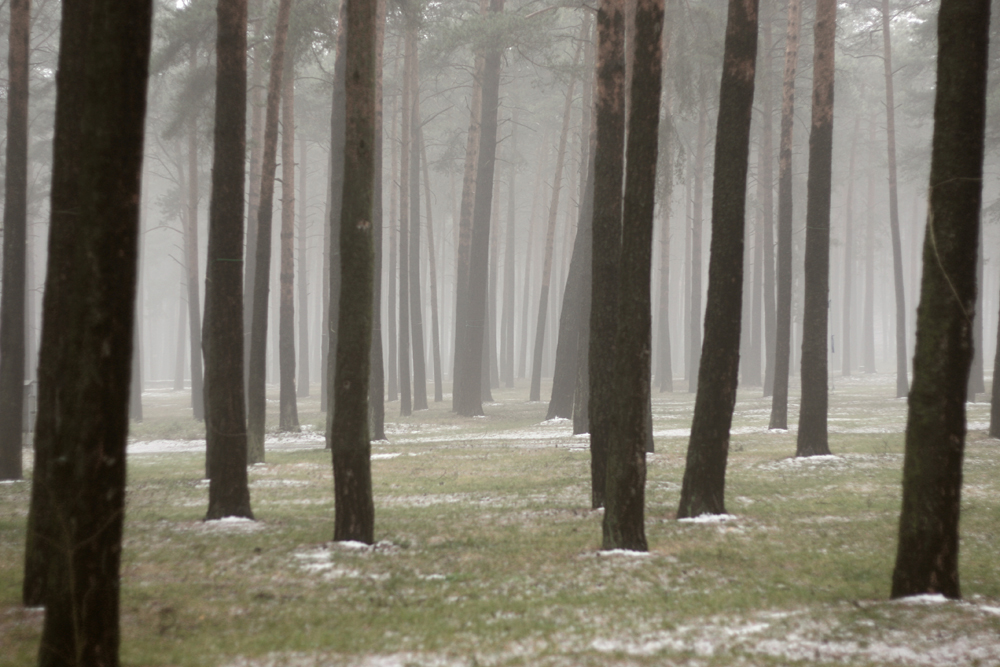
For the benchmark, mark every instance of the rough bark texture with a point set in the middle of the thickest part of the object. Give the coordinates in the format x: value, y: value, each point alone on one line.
x: 783, y: 313
x: 703, y: 489
x: 623, y: 526
x: 288, y: 413
x: 812, y: 435
x: 256, y: 404
x: 12, y: 343
x: 927, y: 559
x: 225, y: 414
x: 90, y: 290
x: 609, y: 109
x: 349, y: 437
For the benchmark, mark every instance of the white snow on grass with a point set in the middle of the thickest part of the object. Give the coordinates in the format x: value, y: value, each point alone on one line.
x: 710, y: 518
x: 927, y: 598
x: 229, y: 524
x: 276, y: 483
x: 11, y: 481
x: 627, y: 553
x: 385, y: 456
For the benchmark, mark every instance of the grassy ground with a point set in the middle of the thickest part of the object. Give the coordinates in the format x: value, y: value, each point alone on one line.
x: 488, y: 552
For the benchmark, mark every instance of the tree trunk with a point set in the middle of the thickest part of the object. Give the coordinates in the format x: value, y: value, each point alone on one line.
x: 350, y: 437
x: 626, y: 466
x: 191, y: 264
x: 416, y: 308
x: 405, y: 145
x: 302, y: 285
x: 664, y: 363
x: 846, y: 350
x: 376, y: 392
x: 288, y: 415
x: 812, y: 435
x: 694, y: 301
x: 927, y: 559
x: 393, y: 383
x: 225, y: 417
x: 90, y: 291
x: 902, y: 382
x: 977, y: 383
x: 256, y: 404
x: 868, y: 325
x: 703, y: 490
x: 783, y: 315
x: 253, y: 200
x: 135, y: 387
x: 435, y: 330
x: 180, y: 355
x: 507, y: 314
x: 528, y: 254
x: 581, y: 399
x: 470, y: 398
x: 609, y: 108
x: 767, y: 189
x: 12, y: 306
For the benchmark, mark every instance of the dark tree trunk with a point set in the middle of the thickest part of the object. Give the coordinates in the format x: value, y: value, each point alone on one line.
x: 256, y: 404
x: 846, y: 349
x: 625, y: 494
x: 225, y: 416
x: 288, y: 413
x: 350, y: 437
x: 902, y: 382
x: 609, y: 109
x: 470, y: 399
x: 302, y: 282
x: 927, y: 559
x: 812, y: 435
x: 376, y: 392
x: 416, y: 308
x: 90, y: 291
x: 694, y: 277
x: 783, y: 315
x: 253, y: 200
x: 191, y: 264
x: 703, y: 490
x: 12, y: 307
x: 435, y: 330
x: 868, y: 325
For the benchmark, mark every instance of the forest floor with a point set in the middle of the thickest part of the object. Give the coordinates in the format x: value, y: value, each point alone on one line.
x: 488, y: 552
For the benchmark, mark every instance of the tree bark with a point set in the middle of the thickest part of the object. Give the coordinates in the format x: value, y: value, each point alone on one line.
x: 288, y: 413
x: 623, y: 526
x: 609, y: 109
x: 225, y: 416
x: 253, y: 200
x: 256, y: 404
x: 350, y: 437
x: 902, y: 382
x: 783, y: 314
x: 90, y: 291
x: 927, y: 557
x: 376, y: 392
x: 812, y: 435
x: 15, y: 242
x: 703, y: 489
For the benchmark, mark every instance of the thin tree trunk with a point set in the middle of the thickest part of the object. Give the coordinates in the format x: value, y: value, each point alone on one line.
x: 528, y: 253
x: 868, y: 326
x: 694, y: 318
x: 303, y: 276
x: 847, y: 364
x: 767, y: 189
x: 507, y: 315
x: 435, y: 330
x: 664, y: 367
x: 181, y: 348
x: 902, y: 382
x: 225, y: 417
x: 191, y: 263
x: 703, y: 489
x: 405, y: 394
x: 927, y: 556
x: 393, y: 383
x: 812, y: 435
x: 253, y: 200
x: 416, y: 308
x: 288, y: 416
x: 376, y: 392
x: 256, y: 405
x: 783, y: 332
x: 977, y: 383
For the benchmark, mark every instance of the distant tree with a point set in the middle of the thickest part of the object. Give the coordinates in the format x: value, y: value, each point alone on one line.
x: 416, y: 308
x: 191, y: 254
x: 927, y: 556
x: 225, y: 416
x: 256, y: 396
x: 376, y: 390
x: 623, y: 525
x: 90, y: 291
x: 350, y: 436
x: 432, y: 257
x: 847, y: 349
x: 15, y: 213
x: 288, y: 413
x: 783, y: 312
x: 812, y: 435
x: 703, y: 489
x: 403, y: 239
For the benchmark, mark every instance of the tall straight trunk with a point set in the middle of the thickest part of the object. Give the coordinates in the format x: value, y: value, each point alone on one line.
x: 812, y: 435
x: 752, y: 298
x: 470, y: 397
x: 626, y: 468
x: 288, y: 415
x: 783, y: 314
x: 393, y: 381
x: 585, y: 236
x: 493, y: 369
x: 507, y: 314
x: 405, y: 394
x: 609, y: 108
x: 253, y: 198
x: 302, y: 283
x: 767, y: 188
x: 846, y: 349
x: 435, y: 330
x: 977, y: 384
x: 331, y: 226
x: 90, y: 291
x: 927, y: 556
x: 350, y: 438
x: 225, y: 418
x: 528, y: 254
x: 902, y: 382
x: 256, y: 404
x: 191, y: 264
x: 694, y: 277
x: 15, y: 213
x: 180, y: 355
x: 688, y: 233
x: 868, y: 325
x: 376, y: 390
x: 536, y: 367
x: 135, y: 388
x: 463, y: 309
x: 416, y: 308
x: 664, y: 367
x: 756, y: 375
x: 703, y: 489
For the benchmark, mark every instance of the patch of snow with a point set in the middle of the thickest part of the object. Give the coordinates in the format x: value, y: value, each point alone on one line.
x: 628, y: 553
x: 709, y: 518
x: 927, y: 598
x: 273, y: 483
x: 385, y: 456
x: 11, y: 481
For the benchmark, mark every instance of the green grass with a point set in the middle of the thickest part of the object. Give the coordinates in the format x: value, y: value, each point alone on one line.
x: 488, y: 551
